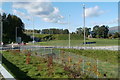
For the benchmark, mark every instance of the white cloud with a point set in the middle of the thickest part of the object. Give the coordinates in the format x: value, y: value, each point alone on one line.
x: 93, y: 12
x: 114, y: 21
x: 45, y: 10
x: 56, y: 10
x: 21, y: 14
x: 1, y: 10
x: 64, y: 23
x: 26, y: 1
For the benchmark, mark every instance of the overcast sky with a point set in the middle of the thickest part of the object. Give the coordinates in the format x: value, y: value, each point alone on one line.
x: 56, y: 14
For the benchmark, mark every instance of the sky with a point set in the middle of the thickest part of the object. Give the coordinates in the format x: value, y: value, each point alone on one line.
x: 62, y: 15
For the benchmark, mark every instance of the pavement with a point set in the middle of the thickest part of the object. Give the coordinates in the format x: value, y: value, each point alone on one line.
x: 114, y: 48
x: 5, y: 73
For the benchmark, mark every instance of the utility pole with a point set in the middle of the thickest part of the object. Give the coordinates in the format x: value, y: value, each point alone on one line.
x: 1, y: 37
x: 69, y: 29
x: 84, y: 22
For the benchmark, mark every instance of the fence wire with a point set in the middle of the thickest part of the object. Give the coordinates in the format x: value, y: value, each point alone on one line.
x: 93, y: 68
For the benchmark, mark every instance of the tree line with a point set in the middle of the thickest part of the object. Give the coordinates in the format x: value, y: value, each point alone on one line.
x: 96, y: 32
x: 55, y: 31
x: 49, y: 31
x: 103, y: 32
x: 11, y: 23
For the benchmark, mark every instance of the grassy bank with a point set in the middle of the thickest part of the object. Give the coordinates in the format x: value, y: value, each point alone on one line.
x: 103, y: 55
x: 59, y: 36
x: 67, y: 64
x: 99, y: 42
x: 38, y: 68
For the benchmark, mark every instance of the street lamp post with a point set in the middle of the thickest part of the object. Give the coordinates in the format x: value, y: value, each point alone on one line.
x: 1, y: 31
x: 84, y: 22
x: 69, y: 29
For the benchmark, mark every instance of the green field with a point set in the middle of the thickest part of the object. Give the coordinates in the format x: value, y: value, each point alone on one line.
x: 99, y: 42
x: 75, y: 40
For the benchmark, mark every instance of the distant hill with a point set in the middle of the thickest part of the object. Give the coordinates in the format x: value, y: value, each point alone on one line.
x: 113, y: 29
x: 45, y: 37
x: 65, y: 37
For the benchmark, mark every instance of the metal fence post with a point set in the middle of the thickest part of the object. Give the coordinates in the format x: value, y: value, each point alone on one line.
x: 44, y: 50
x: 59, y: 53
x: 51, y: 50
x: 97, y: 68
x: 83, y: 66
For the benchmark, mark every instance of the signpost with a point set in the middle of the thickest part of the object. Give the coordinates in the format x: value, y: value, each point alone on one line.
x: 19, y: 40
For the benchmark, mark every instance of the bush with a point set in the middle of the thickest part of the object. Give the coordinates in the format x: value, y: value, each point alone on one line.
x: 116, y: 35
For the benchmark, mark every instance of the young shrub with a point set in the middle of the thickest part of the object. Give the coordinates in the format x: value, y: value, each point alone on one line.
x: 78, y: 64
x: 28, y: 58
x: 50, y: 65
x: 39, y: 67
x: 69, y: 60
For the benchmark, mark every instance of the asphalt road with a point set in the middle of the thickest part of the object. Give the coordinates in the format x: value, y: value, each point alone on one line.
x: 115, y: 48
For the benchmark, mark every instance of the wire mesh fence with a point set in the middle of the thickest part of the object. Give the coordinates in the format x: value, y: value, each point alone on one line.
x: 83, y: 65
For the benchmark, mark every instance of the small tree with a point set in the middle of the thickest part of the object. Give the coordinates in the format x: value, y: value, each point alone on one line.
x: 116, y: 35
x: 50, y: 65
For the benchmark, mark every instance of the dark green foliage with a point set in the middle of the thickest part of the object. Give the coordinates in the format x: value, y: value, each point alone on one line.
x: 116, y: 35
x: 55, y: 31
x: 11, y: 23
x: 100, y: 31
x: 80, y: 31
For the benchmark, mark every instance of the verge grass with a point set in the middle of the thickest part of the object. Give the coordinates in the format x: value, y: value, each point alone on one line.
x: 99, y: 42
x: 106, y: 61
x: 103, y: 55
x: 38, y: 68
